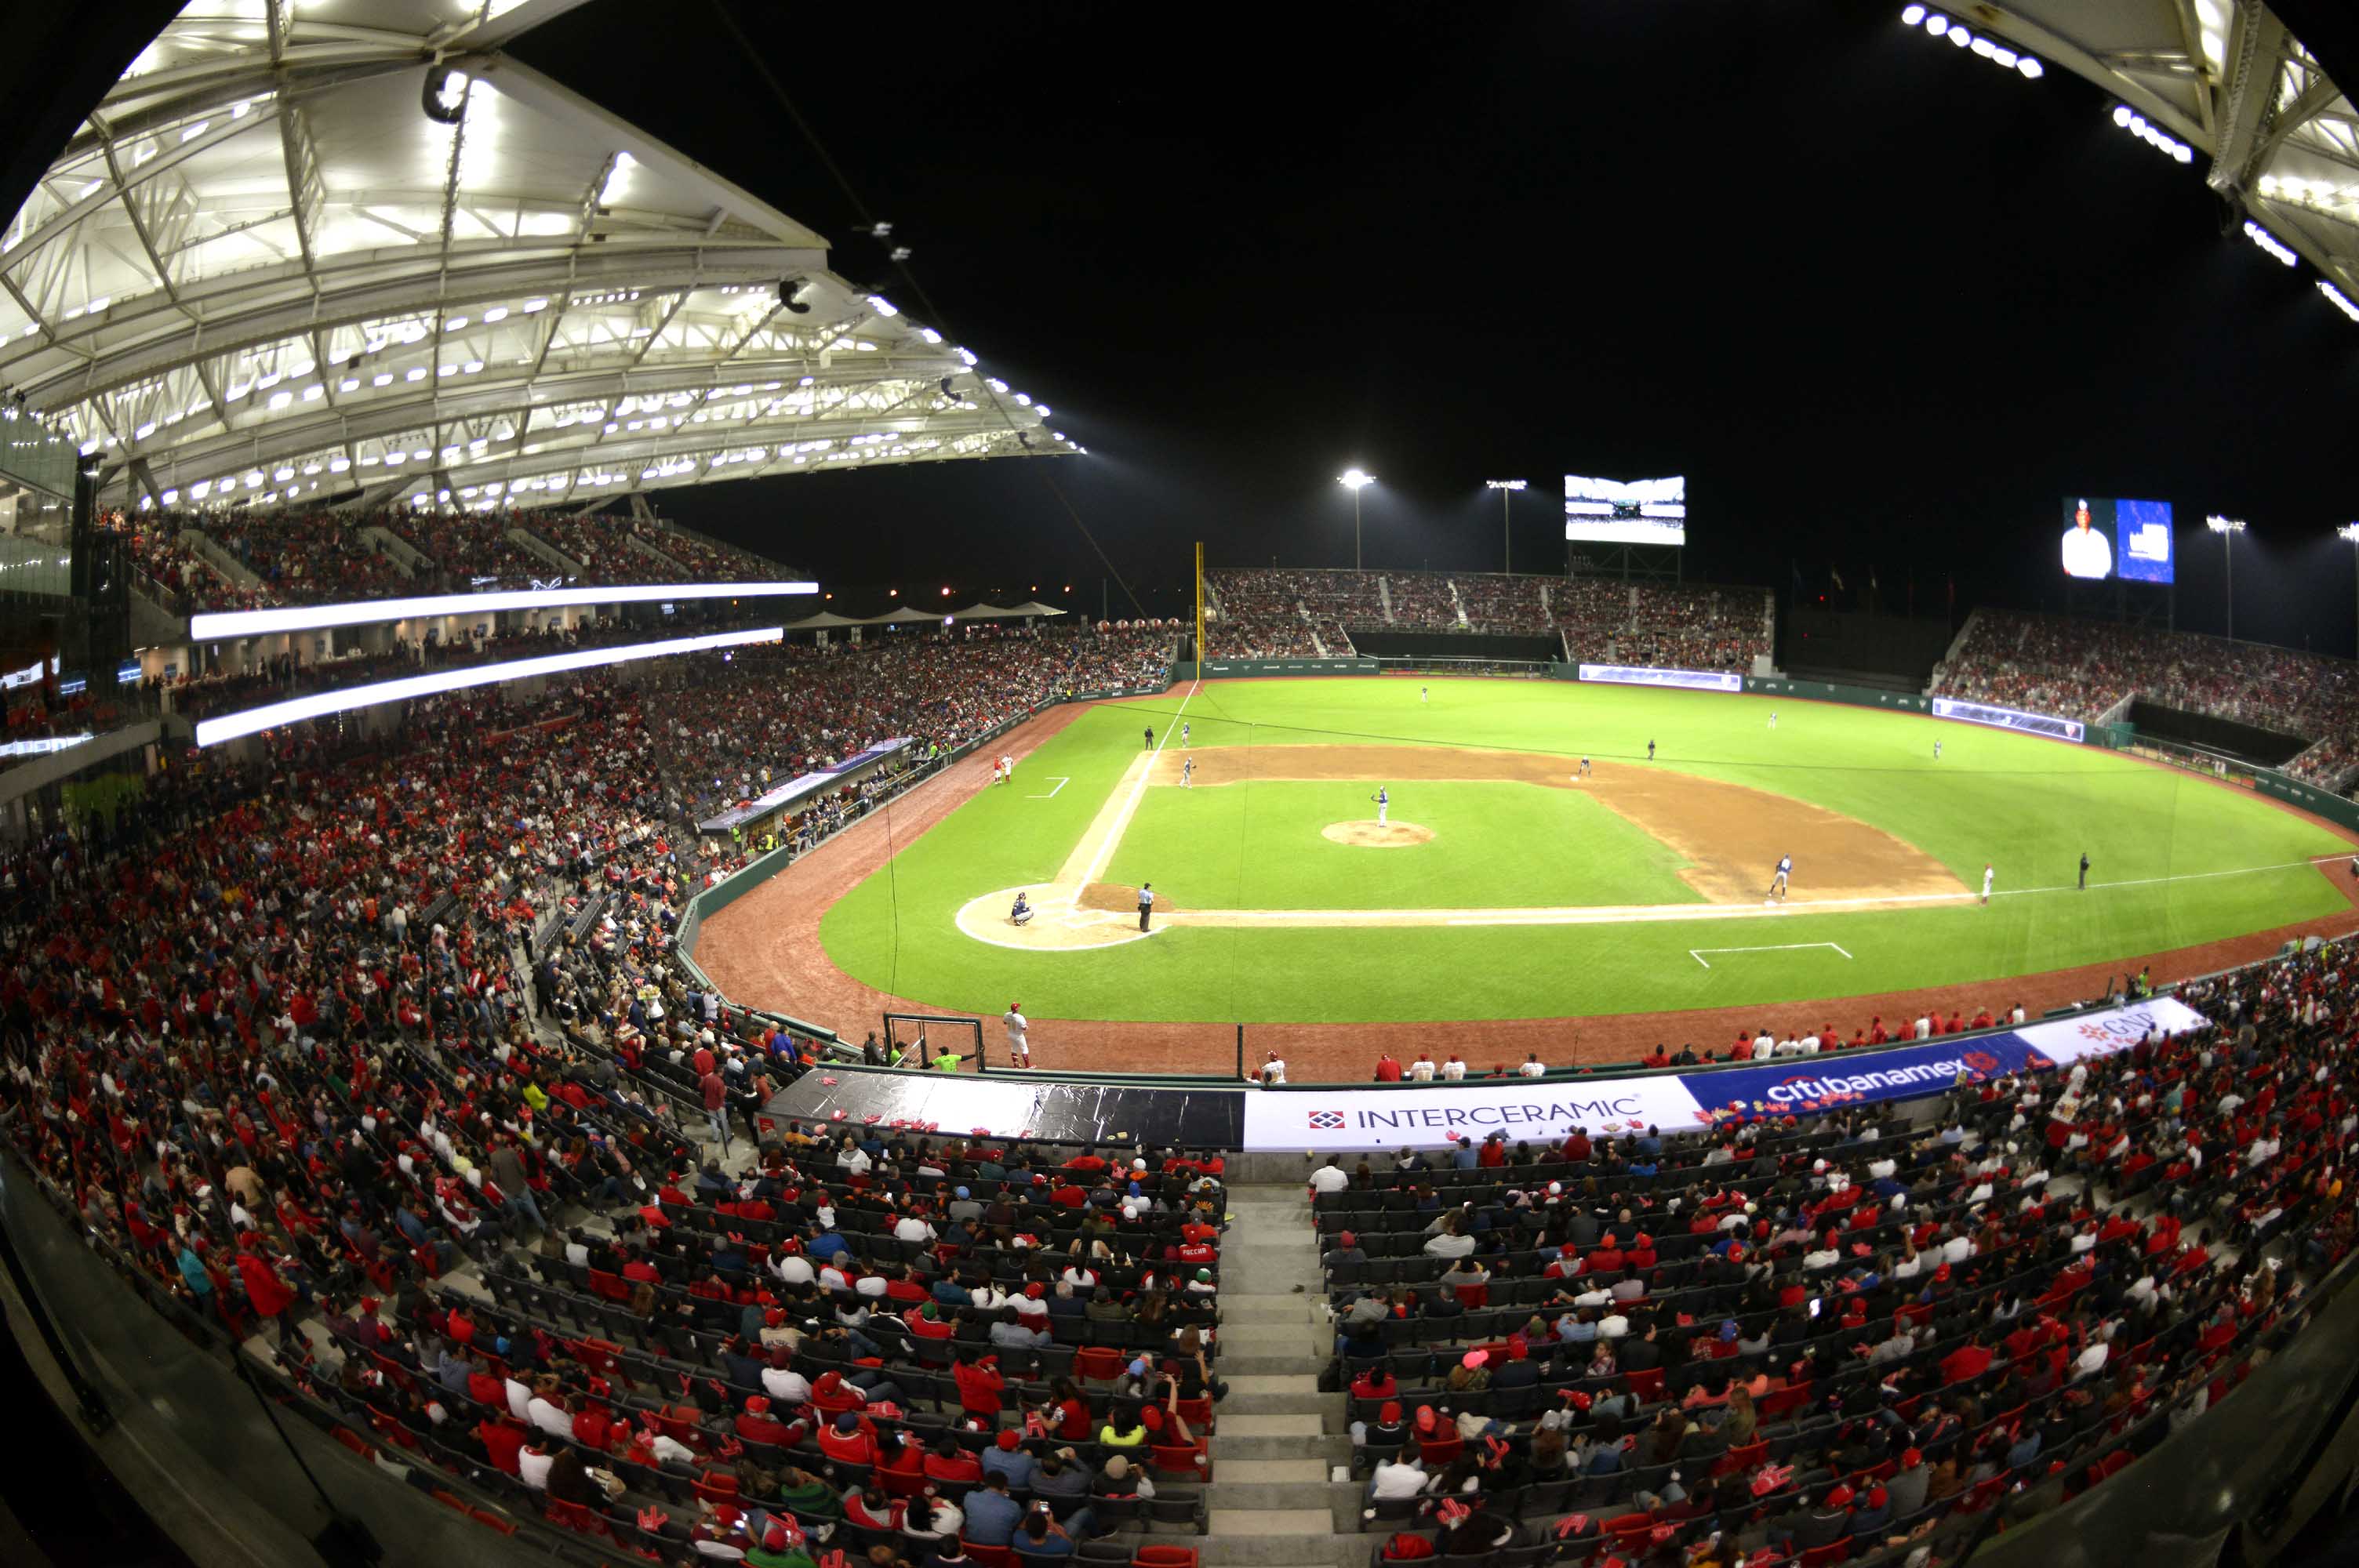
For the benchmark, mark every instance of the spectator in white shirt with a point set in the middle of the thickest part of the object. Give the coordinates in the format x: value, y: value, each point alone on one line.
x: 1329, y: 1178
x: 533, y: 1463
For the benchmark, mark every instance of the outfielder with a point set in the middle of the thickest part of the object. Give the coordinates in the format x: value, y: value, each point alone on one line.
x: 1187, y: 772
x: 1383, y: 797
x: 1773, y: 718
x: 1936, y: 751
x: 1779, y: 879
x: 1420, y: 694
x: 1986, y: 882
x: 1007, y: 768
x: 1183, y: 732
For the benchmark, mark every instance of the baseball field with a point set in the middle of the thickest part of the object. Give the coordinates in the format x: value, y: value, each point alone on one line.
x: 1504, y: 882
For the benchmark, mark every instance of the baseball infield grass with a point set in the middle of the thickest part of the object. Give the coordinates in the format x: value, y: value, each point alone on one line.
x: 2175, y: 860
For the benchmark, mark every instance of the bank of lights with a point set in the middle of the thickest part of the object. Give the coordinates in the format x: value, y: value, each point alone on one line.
x: 2219, y: 525
x: 2340, y: 300
x: 1939, y: 26
x: 2138, y: 125
x: 2269, y: 243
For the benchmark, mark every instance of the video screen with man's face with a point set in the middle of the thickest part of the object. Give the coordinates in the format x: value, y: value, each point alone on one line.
x: 2106, y: 537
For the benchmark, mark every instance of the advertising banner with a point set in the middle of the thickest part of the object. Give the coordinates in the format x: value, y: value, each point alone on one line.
x: 1639, y: 674
x: 2008, y: 719
x: 2069, y: 1039
x: 1341, y: 1120
x: 1443, y: 1113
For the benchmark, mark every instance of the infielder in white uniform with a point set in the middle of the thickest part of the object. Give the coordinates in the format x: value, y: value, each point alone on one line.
x: 1420, y: 694
x: 1019, y: 1050
x: 1986, y: 882
x: 1777, y: 880
x: 1384, y: 800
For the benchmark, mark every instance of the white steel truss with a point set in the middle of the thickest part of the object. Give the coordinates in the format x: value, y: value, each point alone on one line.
x: 2230, y: 79
x: 348, y: 245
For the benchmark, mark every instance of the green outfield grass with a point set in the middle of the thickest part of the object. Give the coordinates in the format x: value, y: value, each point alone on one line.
x: 2177, y: 862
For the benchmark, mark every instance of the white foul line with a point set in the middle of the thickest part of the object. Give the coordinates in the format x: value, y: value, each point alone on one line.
x: 1062, y: 782
x: 1122, y: 819
x: 1698, y: 953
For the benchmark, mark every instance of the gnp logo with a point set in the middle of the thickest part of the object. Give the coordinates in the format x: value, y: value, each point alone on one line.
x: 1326, y: 1120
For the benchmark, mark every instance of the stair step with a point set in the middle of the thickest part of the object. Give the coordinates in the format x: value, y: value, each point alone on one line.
x: 1331, y: 1449
x: 1273, y: 1521
x: 1243, y: 1311
x: 1313, y: 1403
x: 1274, y: 1473
x: 1278, y: 1383
x: 1270, y: 1496
x: 1297, y: 1425
x: 1283, y: 1551
x: 1260, y: 1363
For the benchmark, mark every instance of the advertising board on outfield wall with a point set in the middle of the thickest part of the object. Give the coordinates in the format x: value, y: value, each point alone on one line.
x: 1646, y: 675
x: 1289, y: 667
x: 1343, y: 1119
x: 2009, y: 719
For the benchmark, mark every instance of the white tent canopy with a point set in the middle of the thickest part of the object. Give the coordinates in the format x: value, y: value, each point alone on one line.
x: 288, y: 254
x: 1033, y: 607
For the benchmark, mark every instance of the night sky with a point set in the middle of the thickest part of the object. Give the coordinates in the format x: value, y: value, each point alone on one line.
x: 1881, y: 301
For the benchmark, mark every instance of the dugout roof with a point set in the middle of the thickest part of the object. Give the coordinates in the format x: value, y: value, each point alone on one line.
x: 2272, y: 132
x: 350, y: 243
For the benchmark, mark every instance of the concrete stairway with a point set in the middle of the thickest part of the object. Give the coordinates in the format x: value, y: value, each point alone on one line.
x: 1272, y: 1505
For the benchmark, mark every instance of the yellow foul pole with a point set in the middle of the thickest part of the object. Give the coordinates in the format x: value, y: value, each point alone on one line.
x: 1200, y: 609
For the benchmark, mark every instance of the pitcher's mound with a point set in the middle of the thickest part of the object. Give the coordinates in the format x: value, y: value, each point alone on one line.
x: 1376, y: 834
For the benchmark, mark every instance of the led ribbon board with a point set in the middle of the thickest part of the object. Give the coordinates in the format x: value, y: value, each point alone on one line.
x: 1639, y: 674
x: 252, y: 721
x: 2008, y: 719
x: 214, y: 625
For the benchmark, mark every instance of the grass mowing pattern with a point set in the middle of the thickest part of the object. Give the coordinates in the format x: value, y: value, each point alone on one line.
x: 2029, y: 805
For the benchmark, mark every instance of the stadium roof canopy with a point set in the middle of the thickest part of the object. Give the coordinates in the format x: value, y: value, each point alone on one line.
x: 350, y: 244
x: 2228, y: 79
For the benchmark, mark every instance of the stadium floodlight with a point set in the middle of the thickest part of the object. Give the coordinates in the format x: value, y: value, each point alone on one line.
x: 218, y: 625
x: 1356, y: 482
x: 2340, y: 301
x: 2269, y: 243
x: 1936, y: 23
x: 2351, y: 531
x: 1911, y: 15
x: 1506, y: 489
x: 253, y: 721
x: 2228, y: 528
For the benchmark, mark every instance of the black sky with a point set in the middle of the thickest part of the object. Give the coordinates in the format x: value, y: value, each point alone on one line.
x: 1881, y: 301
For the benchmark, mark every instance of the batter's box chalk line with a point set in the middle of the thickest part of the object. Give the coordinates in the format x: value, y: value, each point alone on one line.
x: 1698, y: 953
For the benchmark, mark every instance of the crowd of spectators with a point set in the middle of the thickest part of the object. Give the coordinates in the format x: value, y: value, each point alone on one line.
x: 2081, y: 669
x: 1846, y: 1333
x: 327, y: 556
x: 283, y: 1061
x: 311, y: 558
x: 1268, y: 613
x: 1419, y: 599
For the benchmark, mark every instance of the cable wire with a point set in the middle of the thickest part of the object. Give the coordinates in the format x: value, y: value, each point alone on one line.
x: 900, y: 264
